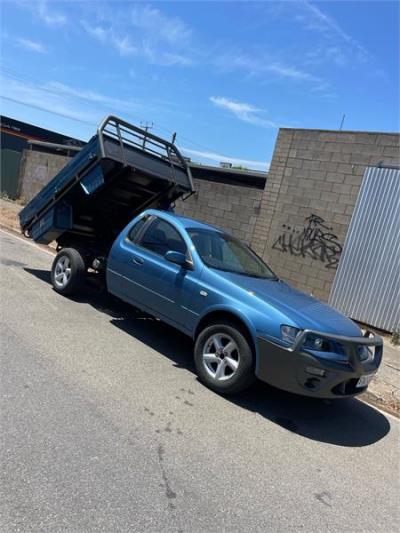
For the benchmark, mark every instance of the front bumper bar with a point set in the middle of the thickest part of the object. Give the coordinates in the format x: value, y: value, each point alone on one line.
x: 301, y: 370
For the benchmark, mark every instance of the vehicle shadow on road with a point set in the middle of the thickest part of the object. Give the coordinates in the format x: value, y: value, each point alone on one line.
x: 344, y: 422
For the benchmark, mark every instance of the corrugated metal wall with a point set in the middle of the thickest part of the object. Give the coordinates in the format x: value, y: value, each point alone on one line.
x: 10, y: 160
x: 367, y: 282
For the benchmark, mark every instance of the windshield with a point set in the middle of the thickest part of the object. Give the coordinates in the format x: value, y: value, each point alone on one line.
x: 223, y: 252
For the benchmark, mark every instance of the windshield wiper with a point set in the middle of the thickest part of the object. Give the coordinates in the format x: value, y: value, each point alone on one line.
x: 247, y: 274
x: 272, y: 278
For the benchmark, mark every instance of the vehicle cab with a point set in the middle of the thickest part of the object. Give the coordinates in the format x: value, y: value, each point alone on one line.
x: 246, y: 322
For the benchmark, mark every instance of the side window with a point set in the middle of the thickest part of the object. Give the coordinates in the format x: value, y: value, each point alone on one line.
x: 133, y: 234
x: 160, y: 237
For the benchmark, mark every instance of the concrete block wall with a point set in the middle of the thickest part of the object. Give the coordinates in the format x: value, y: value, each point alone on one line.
x: 232, y: 207
x: 36, y: 170
x: 308, y: 201
x: 299, y: 222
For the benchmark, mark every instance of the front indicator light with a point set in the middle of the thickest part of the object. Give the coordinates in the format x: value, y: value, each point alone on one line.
x: 289, y: 333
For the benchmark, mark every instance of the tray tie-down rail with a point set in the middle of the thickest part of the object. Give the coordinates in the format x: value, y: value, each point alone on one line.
x: 125, y: 137
x: 128, y: 135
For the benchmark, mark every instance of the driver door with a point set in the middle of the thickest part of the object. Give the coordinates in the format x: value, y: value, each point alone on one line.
x: 153, y: 283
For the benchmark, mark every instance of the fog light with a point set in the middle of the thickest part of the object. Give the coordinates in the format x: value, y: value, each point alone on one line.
x: 315, y: 371
x: 311, y: 383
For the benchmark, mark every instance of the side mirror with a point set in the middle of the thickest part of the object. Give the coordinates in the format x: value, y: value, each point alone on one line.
x: 177, y: 258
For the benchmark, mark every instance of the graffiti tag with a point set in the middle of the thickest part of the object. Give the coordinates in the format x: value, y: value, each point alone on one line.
x: 315, y: 240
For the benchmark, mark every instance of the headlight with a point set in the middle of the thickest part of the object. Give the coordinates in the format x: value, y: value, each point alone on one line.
x: 289, y: 333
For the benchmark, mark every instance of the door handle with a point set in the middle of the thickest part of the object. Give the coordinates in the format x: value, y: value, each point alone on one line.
x: 138, y: 260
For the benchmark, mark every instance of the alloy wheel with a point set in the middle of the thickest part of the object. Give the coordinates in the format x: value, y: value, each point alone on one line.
x: 62, y: 272
x: 221, y: 356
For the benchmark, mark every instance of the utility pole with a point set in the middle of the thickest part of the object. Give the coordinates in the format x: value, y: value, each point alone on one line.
x: 146, y: 126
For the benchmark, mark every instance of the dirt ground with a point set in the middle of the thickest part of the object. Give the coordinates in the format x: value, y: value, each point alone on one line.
x: 8, y: 214
x: 384, y: 390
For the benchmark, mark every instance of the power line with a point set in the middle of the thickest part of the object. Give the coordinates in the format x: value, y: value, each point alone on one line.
x: 51, y: 112
x: 59, y: 92
x: 94, y: 125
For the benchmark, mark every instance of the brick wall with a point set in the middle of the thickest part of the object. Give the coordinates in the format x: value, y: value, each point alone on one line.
x: 308, y: 201
x: 36, y: 170
x: 232, y: 207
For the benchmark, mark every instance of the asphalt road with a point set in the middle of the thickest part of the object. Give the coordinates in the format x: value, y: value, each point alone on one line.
x: 104, y: 427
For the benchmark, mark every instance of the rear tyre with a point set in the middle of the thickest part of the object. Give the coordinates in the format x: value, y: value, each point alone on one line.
x: 68, y: 271
x: 224, y: 358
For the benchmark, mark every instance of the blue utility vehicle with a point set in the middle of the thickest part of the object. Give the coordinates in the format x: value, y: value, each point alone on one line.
x: 109, y: 211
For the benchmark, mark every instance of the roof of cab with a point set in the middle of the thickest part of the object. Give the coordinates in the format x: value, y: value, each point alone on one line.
x: 186, y: 222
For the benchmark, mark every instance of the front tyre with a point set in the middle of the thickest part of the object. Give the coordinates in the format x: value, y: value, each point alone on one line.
x: 224, y: 358
x: 68, y: 271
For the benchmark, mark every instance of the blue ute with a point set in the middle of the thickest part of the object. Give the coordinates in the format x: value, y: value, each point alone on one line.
x: 107, y: 212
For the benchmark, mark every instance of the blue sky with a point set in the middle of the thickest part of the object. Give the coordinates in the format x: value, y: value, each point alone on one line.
x: 225, y: 76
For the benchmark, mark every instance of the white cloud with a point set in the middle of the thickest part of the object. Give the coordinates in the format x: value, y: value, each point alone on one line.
x: 288, y: 71
x: 242, y: 111
x: 146, y: 32
x: 159, y: 26
x: 34, y: 46
x: 142, y: 31
x: 49, y: 17
x: 171, y: 59
x: 96, y: 31
x: 124, y: 46
x: 315, y: 18
x: 337, y: 55
x: 262, y: 66
x: 215, y: 157
x: 108, y: 36
x: 156, y: 56
x: 147, y: 49
x: 321, y: 55
x: 39, y: 10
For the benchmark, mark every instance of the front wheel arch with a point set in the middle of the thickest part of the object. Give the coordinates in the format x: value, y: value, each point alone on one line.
x: 212, y: 362
x: 218, y: 316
